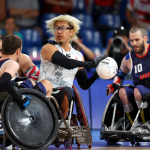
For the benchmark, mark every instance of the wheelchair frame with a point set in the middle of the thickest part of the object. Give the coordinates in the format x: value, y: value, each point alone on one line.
x: 111, y: 135
x: 67, y: 133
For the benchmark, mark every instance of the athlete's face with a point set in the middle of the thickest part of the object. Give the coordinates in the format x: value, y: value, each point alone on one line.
x: 137, y: 42
x: 62, y: 31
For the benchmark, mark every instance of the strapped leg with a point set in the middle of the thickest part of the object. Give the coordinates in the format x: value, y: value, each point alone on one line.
x: 143, y: 94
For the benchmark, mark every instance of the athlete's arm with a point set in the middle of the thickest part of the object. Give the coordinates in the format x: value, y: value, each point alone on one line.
x: 10, y: 67
x: 83, y: 80
x: 51, y: 53
x: 28, y: 68
x: 120, y: 76
x: 9, y: 70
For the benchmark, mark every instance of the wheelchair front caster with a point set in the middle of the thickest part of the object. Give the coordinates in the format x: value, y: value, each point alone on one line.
x: 78, y: 145
x: 133, y: 141
x: 3, y: 145
x: 68, y: 144
x: 57, y: 143
x: 108, y: 142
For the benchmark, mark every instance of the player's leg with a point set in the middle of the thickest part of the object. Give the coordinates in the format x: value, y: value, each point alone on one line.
x: 43, y: 86
x: 63, y: 98
x: 47, y: 85
x: 142, y: 93
x: 126, y: 95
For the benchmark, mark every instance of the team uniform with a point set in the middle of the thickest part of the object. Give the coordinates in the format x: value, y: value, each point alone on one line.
x: 140, y: 74
x: 26, y: 84
x: 59, y: 76
x: 1, y: 64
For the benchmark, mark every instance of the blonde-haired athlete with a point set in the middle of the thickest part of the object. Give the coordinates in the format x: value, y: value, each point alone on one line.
x: 60, y: 63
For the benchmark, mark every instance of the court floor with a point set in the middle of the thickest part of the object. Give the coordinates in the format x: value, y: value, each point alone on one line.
x: 102, y: 145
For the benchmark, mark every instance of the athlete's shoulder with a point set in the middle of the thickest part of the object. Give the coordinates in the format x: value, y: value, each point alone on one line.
x: 11, y: 63
x: 24, y: 57
x: 48, y: 47
x: 25, y: 60
x: 126, y: 60
x: 127, y: 57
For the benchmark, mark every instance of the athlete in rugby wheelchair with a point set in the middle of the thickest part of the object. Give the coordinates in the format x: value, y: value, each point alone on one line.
x: 39, y: 125
x: 115, y: 125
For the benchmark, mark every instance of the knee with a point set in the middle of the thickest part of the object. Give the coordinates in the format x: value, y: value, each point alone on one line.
x: 47, y: 84
x: 137, y: 94
x: 122, y: 93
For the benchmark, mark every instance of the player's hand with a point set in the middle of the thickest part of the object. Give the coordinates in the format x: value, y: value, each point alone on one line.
x: 98, y: 59
x: 25, y: 100
x: 111, y: 89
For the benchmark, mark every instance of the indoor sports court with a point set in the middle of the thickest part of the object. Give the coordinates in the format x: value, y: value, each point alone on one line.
x: 74, y: 74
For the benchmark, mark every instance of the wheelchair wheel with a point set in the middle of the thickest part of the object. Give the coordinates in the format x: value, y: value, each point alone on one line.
x: 81, y: 114
x: 34, y: 127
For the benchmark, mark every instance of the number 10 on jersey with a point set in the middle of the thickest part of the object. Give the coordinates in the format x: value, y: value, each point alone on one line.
x: 138, y: 68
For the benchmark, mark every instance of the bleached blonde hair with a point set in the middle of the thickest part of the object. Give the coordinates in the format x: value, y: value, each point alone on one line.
x: 75, y: 23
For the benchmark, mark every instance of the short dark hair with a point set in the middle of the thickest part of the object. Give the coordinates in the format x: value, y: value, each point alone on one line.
x: 10, y: 44
x: 138, y: 28
x: 2, y: 37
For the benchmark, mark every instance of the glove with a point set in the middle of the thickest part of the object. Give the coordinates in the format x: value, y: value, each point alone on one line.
x: 95, y: 62
x: 25, y: 100
x: 98, y: 59
x: 111, y: 88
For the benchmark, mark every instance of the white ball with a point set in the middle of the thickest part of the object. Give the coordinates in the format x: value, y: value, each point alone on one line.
x: 107, y: 68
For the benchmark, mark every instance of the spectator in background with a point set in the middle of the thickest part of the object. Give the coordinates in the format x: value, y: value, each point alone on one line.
x: 138, y: 13
x: 2, y: 12
x: 78, y: 45
x: 10, y: 27
x: 26, y: 12
x: 57, y: 6
x: 118, y: 47
x: 87, y: 53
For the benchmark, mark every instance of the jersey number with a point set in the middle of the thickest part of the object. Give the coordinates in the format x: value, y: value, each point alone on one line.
x: 138, y: 68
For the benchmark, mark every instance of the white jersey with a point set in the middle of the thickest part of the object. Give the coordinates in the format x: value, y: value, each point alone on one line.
x: 57, y: 75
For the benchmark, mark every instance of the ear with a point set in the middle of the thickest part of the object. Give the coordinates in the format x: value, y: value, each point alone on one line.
x: 18, y: 51
x: 71, y: 32
x: 145, y: 39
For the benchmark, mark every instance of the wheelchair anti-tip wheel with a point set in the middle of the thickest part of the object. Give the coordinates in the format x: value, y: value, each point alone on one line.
x: 34, y: 127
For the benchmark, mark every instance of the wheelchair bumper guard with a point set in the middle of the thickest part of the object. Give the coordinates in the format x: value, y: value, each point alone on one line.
x: 34, y: 127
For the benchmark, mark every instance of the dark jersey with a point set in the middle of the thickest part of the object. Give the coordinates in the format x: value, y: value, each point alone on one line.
x: 141, y: 68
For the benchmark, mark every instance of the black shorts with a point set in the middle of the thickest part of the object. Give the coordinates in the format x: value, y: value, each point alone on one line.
x: 60, y: 95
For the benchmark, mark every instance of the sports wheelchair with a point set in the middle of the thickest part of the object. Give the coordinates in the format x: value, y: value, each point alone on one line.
x: 115, y: 126
x: 40, y: 125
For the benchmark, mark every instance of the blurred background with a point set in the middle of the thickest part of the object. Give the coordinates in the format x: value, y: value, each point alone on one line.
x: 104, y: 30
